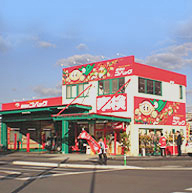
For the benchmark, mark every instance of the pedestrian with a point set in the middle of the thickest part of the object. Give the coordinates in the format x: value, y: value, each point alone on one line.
x: 179, y: 143
x: 102, y: 152
x: 163, y: 144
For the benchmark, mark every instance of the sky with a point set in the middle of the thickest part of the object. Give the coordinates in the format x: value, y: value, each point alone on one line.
x: 40, y: 37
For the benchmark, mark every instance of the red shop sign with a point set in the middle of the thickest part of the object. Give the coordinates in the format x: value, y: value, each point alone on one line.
x: 159, y: 112
x: 117, y: 103
x: 32, y: 104
x: 108, y: 69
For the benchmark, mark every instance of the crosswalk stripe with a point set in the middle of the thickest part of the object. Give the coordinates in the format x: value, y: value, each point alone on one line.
x: 179, y: 192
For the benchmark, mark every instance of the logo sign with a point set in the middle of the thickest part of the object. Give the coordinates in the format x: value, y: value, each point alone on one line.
x: 158, y: 112
x: 112, y: 103
x: 98, y: 71
x: 32, y: 104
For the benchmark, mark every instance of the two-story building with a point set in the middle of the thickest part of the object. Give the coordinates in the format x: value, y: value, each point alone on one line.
x: 105, y: 98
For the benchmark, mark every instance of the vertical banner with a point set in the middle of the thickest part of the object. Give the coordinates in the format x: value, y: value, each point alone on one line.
x: 28, y: 142
x: 187, y: 131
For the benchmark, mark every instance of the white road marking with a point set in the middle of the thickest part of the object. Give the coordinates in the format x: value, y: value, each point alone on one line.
x: 24, y: 169
x: 37, y: 167
x: 54, y: 175
x: 10, y: 172
x: 56, y: 170
x: 188, y: 189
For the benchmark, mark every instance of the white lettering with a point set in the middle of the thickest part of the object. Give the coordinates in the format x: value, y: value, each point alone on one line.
x: 117, y: 103
x: 123, y: 72
x: 34, y: 104
x: 176, y: 121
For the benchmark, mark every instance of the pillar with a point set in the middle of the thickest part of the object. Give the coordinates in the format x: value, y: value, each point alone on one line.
x: 4, y: 135
x: 134, y: 139
x: 65, y: 136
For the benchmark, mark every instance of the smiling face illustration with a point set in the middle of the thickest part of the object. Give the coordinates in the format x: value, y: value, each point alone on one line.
x: 146, y: 108
x: 75, y: 75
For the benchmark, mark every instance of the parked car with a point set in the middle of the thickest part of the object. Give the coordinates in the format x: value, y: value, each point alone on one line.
x: 189, y: 147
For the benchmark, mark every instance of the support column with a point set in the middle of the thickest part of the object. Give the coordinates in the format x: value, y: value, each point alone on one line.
x: 4, y: 135
x: 134, y: 139
x: 65, y: 136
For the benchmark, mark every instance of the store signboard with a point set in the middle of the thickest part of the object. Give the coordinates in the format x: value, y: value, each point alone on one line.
x: 159, y: 112
x: 112, y: 103
x: 187, y: 131
x: 98, y: 71
x: 117, y: 125
x: 32, y: 104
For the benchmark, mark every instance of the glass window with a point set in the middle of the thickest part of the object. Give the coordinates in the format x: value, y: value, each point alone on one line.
x: 111, y: 86
x: 73, y: 91
x: 181, y: 92
x: 141, y: 85
x: 157, y: 88
x: 149, y: 87
x: 115, y: 85
x: 101, y: 88
x: 68, y: 91
x: 121, y: 83
x: 86, y: 93
x: 80, y: 88
x: 106, y: 87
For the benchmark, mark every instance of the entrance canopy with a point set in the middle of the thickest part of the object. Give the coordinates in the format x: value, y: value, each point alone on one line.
x: 45, y: 113
x: 90, y: 116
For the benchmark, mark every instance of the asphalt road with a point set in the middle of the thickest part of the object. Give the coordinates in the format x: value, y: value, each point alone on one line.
x: 30, y: 179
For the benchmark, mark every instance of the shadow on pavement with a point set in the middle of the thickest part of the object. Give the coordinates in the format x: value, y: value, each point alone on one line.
x: 34, y: 178
x: 92, y: 187
x: 2, y: 153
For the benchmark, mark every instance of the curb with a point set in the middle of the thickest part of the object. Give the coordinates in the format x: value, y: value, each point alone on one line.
x: 26, y: 163
x: 57, y: 165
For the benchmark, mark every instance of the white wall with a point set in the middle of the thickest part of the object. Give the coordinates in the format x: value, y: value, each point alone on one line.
x: 170, y: 92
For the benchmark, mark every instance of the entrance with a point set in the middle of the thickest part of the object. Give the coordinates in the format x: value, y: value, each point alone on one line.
x: 111, y: 134
x: 148, y: 141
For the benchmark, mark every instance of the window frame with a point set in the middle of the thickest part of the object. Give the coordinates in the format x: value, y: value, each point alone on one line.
x: 180, y: 92
x: 77, y: 90
x: 154, y: 86
x: 110, y: 86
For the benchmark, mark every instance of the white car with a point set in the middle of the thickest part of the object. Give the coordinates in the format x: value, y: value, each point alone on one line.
x: 189, y: 148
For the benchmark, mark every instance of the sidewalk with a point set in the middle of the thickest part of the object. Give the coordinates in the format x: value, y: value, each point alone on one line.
x: 83, y: 159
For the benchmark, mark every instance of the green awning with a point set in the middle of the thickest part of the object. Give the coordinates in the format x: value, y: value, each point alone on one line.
x: 90, y: 116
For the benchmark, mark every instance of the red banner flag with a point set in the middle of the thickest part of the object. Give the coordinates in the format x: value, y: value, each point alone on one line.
x: 91, y: 141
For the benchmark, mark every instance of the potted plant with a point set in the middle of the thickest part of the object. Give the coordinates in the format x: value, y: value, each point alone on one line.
x: 125, y: 142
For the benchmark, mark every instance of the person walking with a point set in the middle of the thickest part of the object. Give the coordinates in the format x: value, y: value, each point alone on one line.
x: 102, y: 152
x: 179, y: 143
x: 163, y: 144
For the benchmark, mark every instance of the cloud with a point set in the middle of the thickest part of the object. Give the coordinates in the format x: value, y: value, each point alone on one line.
x: 44, y: 44
x: 45, y: 92
x: 82, y: 46
x: 184, y: 31
x: 189, y: 100
x: 4, y: 44
x: 172, y: 57
x: 79, y: 59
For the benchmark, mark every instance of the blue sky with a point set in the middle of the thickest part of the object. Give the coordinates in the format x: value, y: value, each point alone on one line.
x: 37, y: 36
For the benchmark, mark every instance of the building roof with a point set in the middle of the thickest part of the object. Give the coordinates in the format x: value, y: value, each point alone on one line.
x: 119, y: 67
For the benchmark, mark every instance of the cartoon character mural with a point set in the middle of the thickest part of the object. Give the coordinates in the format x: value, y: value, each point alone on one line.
x: 97, y: 71
x: 158, y: 112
